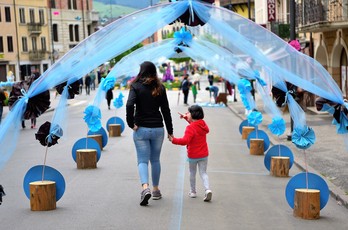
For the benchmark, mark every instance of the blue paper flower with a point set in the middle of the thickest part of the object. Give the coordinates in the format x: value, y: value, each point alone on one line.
x: 303, y: 138
x: 277, y: 127
x: 118, y: 102
x: 255, y: 118
x: 107, y: 83
x: 342, y: 126
x: 182, y: 36
x: 92, y: 118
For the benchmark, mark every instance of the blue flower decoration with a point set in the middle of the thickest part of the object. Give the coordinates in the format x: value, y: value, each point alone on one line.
x: 277, y: 127
x: 244, y: 86
x: 118, y: 102
x: 342, y: 126
x: 303, y: 138
x: 107, y: 83
x: 92, y: 118
x: 255, y: 118
x: 182, y: 36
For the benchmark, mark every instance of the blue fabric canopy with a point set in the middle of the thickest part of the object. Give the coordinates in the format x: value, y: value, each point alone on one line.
x: 224, y: 40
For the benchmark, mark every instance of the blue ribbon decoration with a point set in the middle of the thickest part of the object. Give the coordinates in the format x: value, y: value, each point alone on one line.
x: 118, y: 102
x: 182, y: 36
x: 303, y: 137
x: 258, y: 78
x: 92, y: 118
x: 107, y: 83
x: 277, y: 127
x: 255, y: 118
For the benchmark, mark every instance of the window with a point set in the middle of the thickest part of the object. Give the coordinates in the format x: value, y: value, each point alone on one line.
x: 43, y: 43
x: 55, y: 32
x: 69, y: 5
x: 1, y: 45
x: 74, y: 5
x: 71, y: 33
x: 10, y: 44
x: 21, y: 16
x: 0, y: 15
x: 34, y: 43
x: 25, y: 44
x: 32, y: 15
x: 7, y: 14
x: 42, y: 17
x: 77, y: 36
x: 53, y: 3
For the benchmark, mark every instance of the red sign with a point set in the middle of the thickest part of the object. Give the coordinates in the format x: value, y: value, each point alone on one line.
x: 271, y: 10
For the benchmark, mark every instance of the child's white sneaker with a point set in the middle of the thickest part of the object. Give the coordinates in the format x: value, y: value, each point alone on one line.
x: 208, y: 195
x: 192, y: 194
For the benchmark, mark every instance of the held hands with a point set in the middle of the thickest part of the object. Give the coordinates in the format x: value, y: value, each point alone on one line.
x: 170, y: 137
x: 135, y: 128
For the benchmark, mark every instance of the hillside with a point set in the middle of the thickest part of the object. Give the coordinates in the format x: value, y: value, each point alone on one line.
x: 111, y: 11
x: 137, y: 4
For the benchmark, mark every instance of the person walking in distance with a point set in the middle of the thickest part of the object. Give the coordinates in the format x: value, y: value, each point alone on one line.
x: 185, y: 87
x: 148, y: 95
x: 195, y: 138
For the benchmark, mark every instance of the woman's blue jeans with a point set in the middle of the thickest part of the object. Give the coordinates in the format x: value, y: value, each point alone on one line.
x: 148, y: 143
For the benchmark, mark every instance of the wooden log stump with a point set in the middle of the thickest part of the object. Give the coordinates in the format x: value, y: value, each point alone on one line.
x: 257, y: 147
x: 98, y: 138
x: 114, y: 130
x: 42, y: 195
x: 86, y: 158
x: 307, y: 203
x: 246, y: 130
x: 280, y: 166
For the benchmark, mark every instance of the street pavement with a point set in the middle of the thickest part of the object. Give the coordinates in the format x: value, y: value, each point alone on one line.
x: 245, y: 196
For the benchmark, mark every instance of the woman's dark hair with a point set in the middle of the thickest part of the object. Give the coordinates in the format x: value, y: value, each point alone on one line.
x: 148, y: 76
x: 196, y: 112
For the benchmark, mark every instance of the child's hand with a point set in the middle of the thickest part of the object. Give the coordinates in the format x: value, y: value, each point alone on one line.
x: 170, y: 138
x: 182, y: 115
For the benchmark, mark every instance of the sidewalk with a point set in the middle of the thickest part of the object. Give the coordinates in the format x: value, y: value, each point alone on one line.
x: 327, y: 157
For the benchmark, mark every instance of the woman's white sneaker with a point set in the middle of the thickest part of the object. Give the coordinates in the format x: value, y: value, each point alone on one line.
x: 208, y: 195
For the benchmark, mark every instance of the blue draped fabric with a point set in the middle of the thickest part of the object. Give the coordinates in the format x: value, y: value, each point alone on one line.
x: 236, y: 37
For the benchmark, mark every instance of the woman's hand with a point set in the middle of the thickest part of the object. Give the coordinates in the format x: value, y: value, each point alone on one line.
x: 170, y: 137
x: 135, y: 127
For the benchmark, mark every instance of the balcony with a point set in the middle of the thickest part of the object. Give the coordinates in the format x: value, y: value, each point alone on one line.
x: 34, y: 28
x: 315, y: 16
x: 93, y: 16
x: 37, y: 55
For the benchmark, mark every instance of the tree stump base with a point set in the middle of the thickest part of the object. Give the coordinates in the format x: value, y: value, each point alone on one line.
x: 246, y: 130
x: 86, y: 158
x: 280, y: 166
x: 307, y: 204
x: 42, y: 195
x: 257, y: 147
x: 98, y: 138
x: 114, y: 130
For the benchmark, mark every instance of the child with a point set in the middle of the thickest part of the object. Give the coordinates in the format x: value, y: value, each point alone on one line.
x: 195, y: 138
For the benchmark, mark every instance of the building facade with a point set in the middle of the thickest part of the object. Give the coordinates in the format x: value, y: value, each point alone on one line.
x: 34, y: 34
x: 325, y: 24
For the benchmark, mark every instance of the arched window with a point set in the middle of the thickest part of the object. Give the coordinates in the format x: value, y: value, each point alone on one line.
x: 343, y: 64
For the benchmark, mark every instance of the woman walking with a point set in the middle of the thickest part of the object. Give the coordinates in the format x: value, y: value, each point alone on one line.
x: 148, y: 95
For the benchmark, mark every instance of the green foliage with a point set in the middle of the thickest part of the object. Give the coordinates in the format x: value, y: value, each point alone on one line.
x: 284, y: 30
x: 119, y: 57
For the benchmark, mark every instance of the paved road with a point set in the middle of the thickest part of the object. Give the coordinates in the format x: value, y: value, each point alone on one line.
x: 245, y: 196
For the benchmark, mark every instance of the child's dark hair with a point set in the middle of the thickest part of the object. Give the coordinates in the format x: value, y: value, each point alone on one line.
x: 196, y: 112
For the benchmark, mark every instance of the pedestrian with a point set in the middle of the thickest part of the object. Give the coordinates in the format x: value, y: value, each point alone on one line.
x: 194, y: 91
x: 148, y: 95
x: 109, y: 96
x: 213, y: 91
x: 195, y: 138
x: 185, y: 87
x: 2, y: 102
x: 210, y: 78
x: 197, y: 79
x: 34, y: 76
x: 88, y: 84
x: 80, y: 85
x: 92, y: 75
